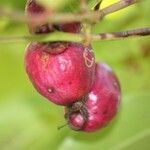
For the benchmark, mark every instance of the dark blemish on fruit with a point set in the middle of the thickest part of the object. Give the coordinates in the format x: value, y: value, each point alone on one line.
x: 70, y: 83
x: 95, y: 112
x: 62, y: 84
x: 105, y: 112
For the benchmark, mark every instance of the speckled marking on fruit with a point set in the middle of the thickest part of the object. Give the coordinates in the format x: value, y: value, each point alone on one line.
x: 44, y: 60
x: 88, y: 62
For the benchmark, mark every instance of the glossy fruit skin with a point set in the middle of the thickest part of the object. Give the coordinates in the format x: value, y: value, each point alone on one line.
x: 102, y: 102
x: 32, y: 8
x: 62, y: 78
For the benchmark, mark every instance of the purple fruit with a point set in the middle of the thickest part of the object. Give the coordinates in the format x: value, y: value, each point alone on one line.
x: 74, y: 27
x: 100, y: 105
x: 33, y: 8
x: 62, y: 78
x: 36, y: 10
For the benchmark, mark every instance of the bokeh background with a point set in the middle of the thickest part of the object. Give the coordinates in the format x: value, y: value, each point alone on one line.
x: 29, y: 122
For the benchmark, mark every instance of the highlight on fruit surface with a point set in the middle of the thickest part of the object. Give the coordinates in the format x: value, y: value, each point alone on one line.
x: 62, y: 77
x: 99, y: 106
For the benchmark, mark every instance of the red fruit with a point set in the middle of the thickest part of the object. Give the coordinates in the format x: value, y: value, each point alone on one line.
x: 74, y: 27
x: 100, y: 105
x: 62, y: 78
x: 34, y: 9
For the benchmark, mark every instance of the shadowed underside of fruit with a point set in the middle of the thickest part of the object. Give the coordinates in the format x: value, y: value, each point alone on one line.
x: 62, y: 78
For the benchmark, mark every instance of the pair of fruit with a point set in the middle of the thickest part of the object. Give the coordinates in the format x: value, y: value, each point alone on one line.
x: 66, y: 74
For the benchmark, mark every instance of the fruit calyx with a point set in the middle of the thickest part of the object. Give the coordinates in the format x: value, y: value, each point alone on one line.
x: 55, y: 47
x: 77, y: 108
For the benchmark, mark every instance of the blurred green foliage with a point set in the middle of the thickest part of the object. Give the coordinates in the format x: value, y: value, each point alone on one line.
x: 29, y: 122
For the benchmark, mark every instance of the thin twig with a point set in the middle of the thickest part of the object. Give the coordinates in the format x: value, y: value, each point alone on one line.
x: 49, y: 37
x: 62, y: 36
x: 91, y: 16
x: 122, y: 35
x: 117, y: 6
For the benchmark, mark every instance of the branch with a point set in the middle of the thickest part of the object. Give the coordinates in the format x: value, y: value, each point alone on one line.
x: 90, y: 16
x: 116, y: 7
x: 122, y: 35
x: 48, y: 37
x: 62, y: 36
